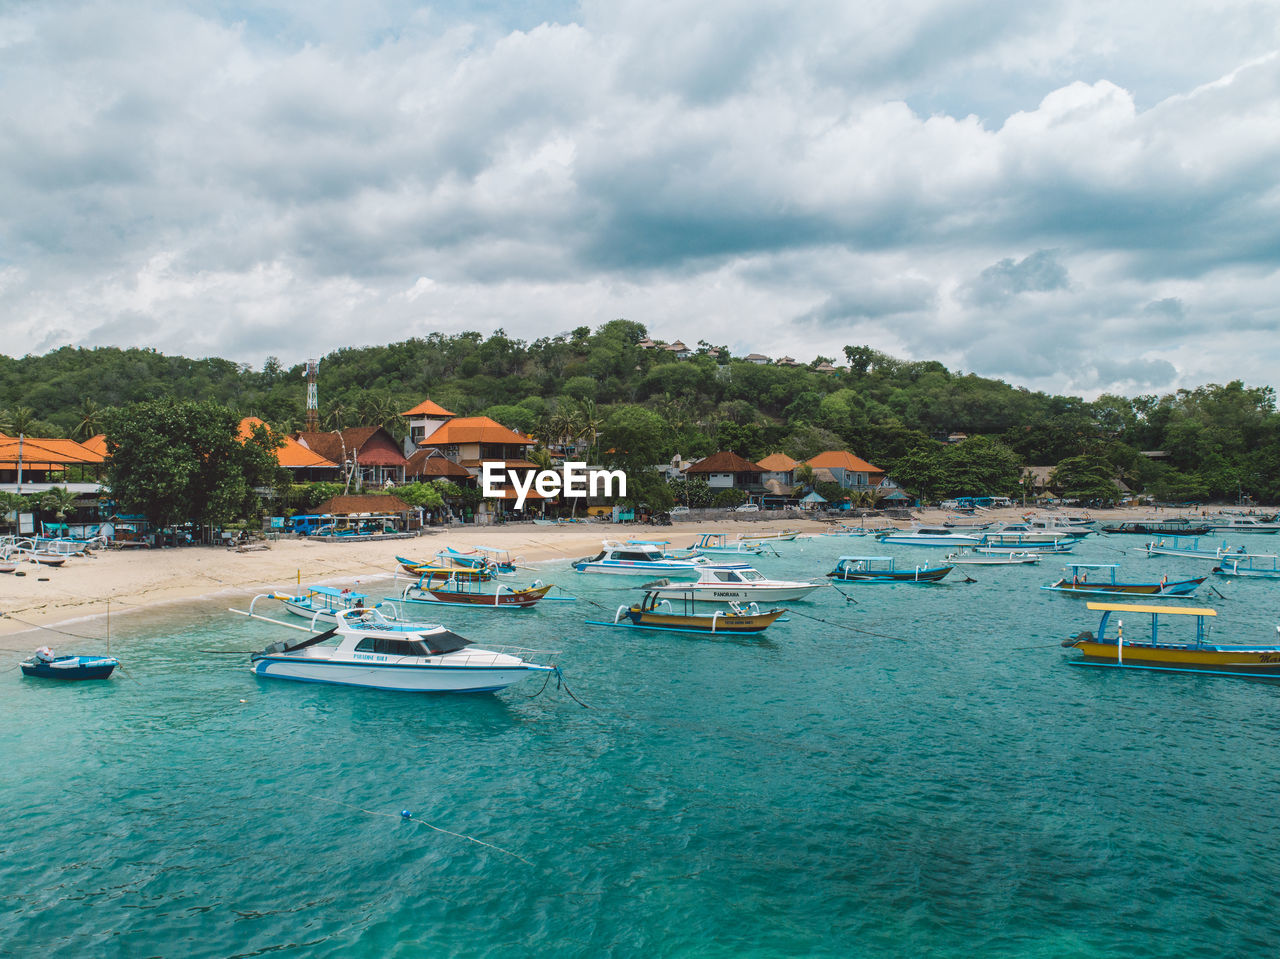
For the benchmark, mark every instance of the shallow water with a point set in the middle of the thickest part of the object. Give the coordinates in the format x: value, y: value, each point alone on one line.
x: 920, y: 774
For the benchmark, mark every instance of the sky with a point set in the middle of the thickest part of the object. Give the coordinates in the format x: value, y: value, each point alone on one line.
x: 1076, y: 197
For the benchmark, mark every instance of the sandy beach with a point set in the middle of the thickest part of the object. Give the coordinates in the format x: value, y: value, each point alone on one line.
x: 124, y: 581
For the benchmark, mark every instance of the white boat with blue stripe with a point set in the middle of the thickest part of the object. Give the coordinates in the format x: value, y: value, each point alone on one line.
x: 367, y: 649
x: 639, y: 559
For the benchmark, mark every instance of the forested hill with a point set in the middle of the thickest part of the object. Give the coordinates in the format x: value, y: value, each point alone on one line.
x: 1222, y: 440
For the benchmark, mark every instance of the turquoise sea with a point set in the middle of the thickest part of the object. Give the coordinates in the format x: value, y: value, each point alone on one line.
x: 917, y: 774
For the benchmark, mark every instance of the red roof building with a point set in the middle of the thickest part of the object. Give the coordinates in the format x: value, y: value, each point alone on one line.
x: 369, y: 450
x: 727, y: 469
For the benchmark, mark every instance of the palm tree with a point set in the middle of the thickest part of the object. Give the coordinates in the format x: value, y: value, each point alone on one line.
x: 804, y: 475
x: 89, y: 416
x: 589, y: 422
x: 11, y: 503
x: 59, y: 500
x: 18, y: 421
x: 336, y: 415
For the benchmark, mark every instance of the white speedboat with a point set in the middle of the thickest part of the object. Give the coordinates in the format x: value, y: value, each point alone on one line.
x: 738, y: 583
x: 1015, y: 535
x: 930, y: 536
x: 1228, y: 522
x: 367, y: 649
x: 993, y: 557
x: 639, y: 559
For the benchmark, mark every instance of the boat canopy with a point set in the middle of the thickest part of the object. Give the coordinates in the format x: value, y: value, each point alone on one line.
x: 333, y: 593
x: 1155, y: 610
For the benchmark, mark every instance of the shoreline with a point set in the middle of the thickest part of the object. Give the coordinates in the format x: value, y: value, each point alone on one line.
x: 118, y: 582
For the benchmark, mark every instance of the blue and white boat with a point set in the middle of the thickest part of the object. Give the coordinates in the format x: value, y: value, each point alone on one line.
x: 1079, y: 583
x: 639, y: 559
x: 718, y: 544
x: 1250, y: 565
x: 1189, y: 547
x: 43, y: 664
x: 366, y: 649
x: 320, y: 603
x: 931, y: 536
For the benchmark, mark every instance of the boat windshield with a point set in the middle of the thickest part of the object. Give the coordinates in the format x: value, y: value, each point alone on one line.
x: 751, y: 576
x: 440, y: 641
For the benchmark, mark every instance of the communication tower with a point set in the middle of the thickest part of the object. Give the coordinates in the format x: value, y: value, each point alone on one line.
x: 313, y: 397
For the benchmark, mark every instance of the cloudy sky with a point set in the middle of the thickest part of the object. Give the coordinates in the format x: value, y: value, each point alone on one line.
x: 1073, y: 196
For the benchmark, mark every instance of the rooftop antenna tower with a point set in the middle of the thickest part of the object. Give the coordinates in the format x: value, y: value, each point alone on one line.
x: 313, y: 397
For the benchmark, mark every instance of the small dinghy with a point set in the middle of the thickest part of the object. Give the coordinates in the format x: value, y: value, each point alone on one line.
x: 45, y: 665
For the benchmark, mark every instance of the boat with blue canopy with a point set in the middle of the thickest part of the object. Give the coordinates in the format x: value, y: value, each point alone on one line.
x: 1189, y: 547
x: 1250, y: 565
x: 1078, y: 583
x: 321, y: 603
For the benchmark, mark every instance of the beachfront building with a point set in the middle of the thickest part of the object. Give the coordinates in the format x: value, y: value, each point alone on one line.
x: 36, y: 465
x: 779, y: 477
x: 471, y: 442
x: 424, y: 419
x: 849, y: 471
x: 364, y: 514
x: 727, y: 470
x: 368, y: 454
x: 306, y: 465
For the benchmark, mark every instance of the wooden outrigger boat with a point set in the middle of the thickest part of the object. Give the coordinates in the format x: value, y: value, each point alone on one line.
x: 1254, y: 565
x: 883, y: 569
x: 1197, y: 656
x: 1078, y: 583
x: 434, y: 590
x: 718, y: 544
x: 656, y: 611
x: 478, y: 557
x: 483, y: 574
x: 321, y: 603
x: 781, y: 536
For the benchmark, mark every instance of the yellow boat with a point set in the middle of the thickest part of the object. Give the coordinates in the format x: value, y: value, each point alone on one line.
x: 1197, y: 655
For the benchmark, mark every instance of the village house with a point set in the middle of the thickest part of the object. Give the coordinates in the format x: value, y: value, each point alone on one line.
x: 779, y: 476
x: 849, y: 471
x: 306, y: 465
x: 727, y: 470
x: 368, y: 454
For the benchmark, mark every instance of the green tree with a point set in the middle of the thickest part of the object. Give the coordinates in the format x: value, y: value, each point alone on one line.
x: 59, y: 500
x: 1087, y: 478
x: 179, y: 461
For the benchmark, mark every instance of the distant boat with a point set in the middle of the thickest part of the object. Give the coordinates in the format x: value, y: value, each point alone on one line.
x: 462, y: 572
x: 1078, y: 583
x: 451, y: 591
x: 658, y: 610
x: 1158, y: 527
x: 1242, y: 524
x: 638, y: 559
x: 738, y: 583
x: 930, y: 536
x: 44, y: 665
x: 781, y: 536
x: 1250, y: 565
x: 1189, y: 547
x: 883, y: 569
x: 1195, y: 654
x: 718, y: 544
x: 994, y: 557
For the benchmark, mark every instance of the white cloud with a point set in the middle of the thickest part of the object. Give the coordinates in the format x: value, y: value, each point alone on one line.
x: 989, y: 184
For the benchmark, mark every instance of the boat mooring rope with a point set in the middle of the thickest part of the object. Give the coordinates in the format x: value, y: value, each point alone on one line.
x: 852, y: 629
x: 408, y: 816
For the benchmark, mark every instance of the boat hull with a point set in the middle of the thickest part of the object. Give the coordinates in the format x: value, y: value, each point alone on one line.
x: 1249, y: 661
x: 517, y: 599
x: 929, y: 575
x: 727, y: 592
x: 85, y: 667
x: 416, y: 679
x: 732, y: 624
x: 1180, y: 588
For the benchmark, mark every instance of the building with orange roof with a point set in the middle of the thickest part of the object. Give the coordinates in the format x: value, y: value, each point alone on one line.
x: 35, y: 464
x: 370, y: 452
x: 424, y: 419
x: 848, y: 470
x: 306, y: 464
x: 779, y: 473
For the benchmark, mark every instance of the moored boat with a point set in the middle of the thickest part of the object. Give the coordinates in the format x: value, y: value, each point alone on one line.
x: 994, y: 557
x: 43, y: 664
x: 738, y: 583
x: 1249, y: 565
x: 658, y: 610
x: 366, y: 649
x: 1160, y: 527
x: 1236, y: 523
x: 718, y: 544
x: 638, y: 559
x: 484, y: 574
x: 884, y: 569
x: 1194, y: 654
x: 931, y: 536
x: 320, y: 603
x: 1078, y: 583
x: 778, y: 536
x: 451, y: 591
x: 1189, y: 548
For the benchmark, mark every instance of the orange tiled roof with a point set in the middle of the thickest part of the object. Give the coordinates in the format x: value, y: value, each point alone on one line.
x: 40, y: 453
x: 842, y: 459
x: 293, y: 455
x: 423, y: 463
x: 96, y: 444
x: 777, y: 463
x: 427, y: 408
x: 725, y: 461
x: 474, y: 429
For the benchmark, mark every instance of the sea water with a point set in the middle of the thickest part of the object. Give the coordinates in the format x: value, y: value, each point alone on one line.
x: 893, y: 771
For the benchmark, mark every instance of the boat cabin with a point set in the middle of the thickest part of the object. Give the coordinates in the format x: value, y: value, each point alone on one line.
x: 433, y: 643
